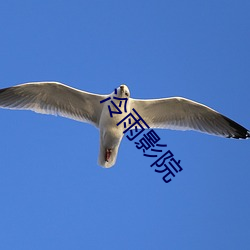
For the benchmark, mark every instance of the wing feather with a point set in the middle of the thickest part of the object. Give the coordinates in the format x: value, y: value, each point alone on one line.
x: 183, y: 114
x: 53, y: 98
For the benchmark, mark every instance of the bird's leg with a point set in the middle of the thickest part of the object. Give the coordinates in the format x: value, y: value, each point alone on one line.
x: 108, y: 154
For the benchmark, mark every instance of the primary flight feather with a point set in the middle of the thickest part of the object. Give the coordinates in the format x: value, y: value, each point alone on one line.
x: 170, y: 113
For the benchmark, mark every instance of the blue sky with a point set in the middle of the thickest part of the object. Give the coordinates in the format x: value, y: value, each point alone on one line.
x: 54, y: 195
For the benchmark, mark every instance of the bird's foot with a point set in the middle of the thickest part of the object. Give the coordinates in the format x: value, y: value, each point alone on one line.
x: 108, y: 154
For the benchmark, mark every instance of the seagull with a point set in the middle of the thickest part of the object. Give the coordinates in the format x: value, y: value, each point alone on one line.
x: 176, y: 113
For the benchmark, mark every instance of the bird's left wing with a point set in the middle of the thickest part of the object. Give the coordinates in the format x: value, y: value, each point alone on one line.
x: 182, y: 114
x: 53, y: 98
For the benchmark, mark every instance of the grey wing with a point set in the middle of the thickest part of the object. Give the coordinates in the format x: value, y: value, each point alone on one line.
x: 53, y: 98
x: 182, y: 114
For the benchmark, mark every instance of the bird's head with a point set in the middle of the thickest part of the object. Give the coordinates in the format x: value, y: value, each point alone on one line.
x: 123, y: 91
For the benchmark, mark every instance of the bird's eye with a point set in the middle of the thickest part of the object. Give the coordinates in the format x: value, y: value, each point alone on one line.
x: 126, y: 93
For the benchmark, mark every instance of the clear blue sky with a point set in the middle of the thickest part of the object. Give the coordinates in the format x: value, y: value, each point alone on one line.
x: 53, y: 195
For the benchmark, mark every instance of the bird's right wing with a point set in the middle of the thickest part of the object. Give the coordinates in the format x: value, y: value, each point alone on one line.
x: 53, y: 98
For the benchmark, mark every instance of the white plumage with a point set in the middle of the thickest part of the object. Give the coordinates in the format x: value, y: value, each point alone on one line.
x: 169, y: 113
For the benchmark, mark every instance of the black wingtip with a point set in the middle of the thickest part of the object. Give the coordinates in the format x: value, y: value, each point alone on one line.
x: 248, y: 134
x: 239, y: 131
x: 3, y: 90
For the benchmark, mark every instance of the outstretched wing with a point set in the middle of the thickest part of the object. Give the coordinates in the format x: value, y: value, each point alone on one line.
x: 55, y: 99
x: 182, y: 114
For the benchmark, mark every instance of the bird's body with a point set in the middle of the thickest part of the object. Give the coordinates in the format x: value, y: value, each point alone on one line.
x: 168, y: 113
x: 110, y: 134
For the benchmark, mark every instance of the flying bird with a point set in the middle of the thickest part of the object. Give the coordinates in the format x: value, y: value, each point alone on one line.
x: 167, y: 113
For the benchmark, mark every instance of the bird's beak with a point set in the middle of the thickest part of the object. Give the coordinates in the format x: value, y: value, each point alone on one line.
x: 122, y: 88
